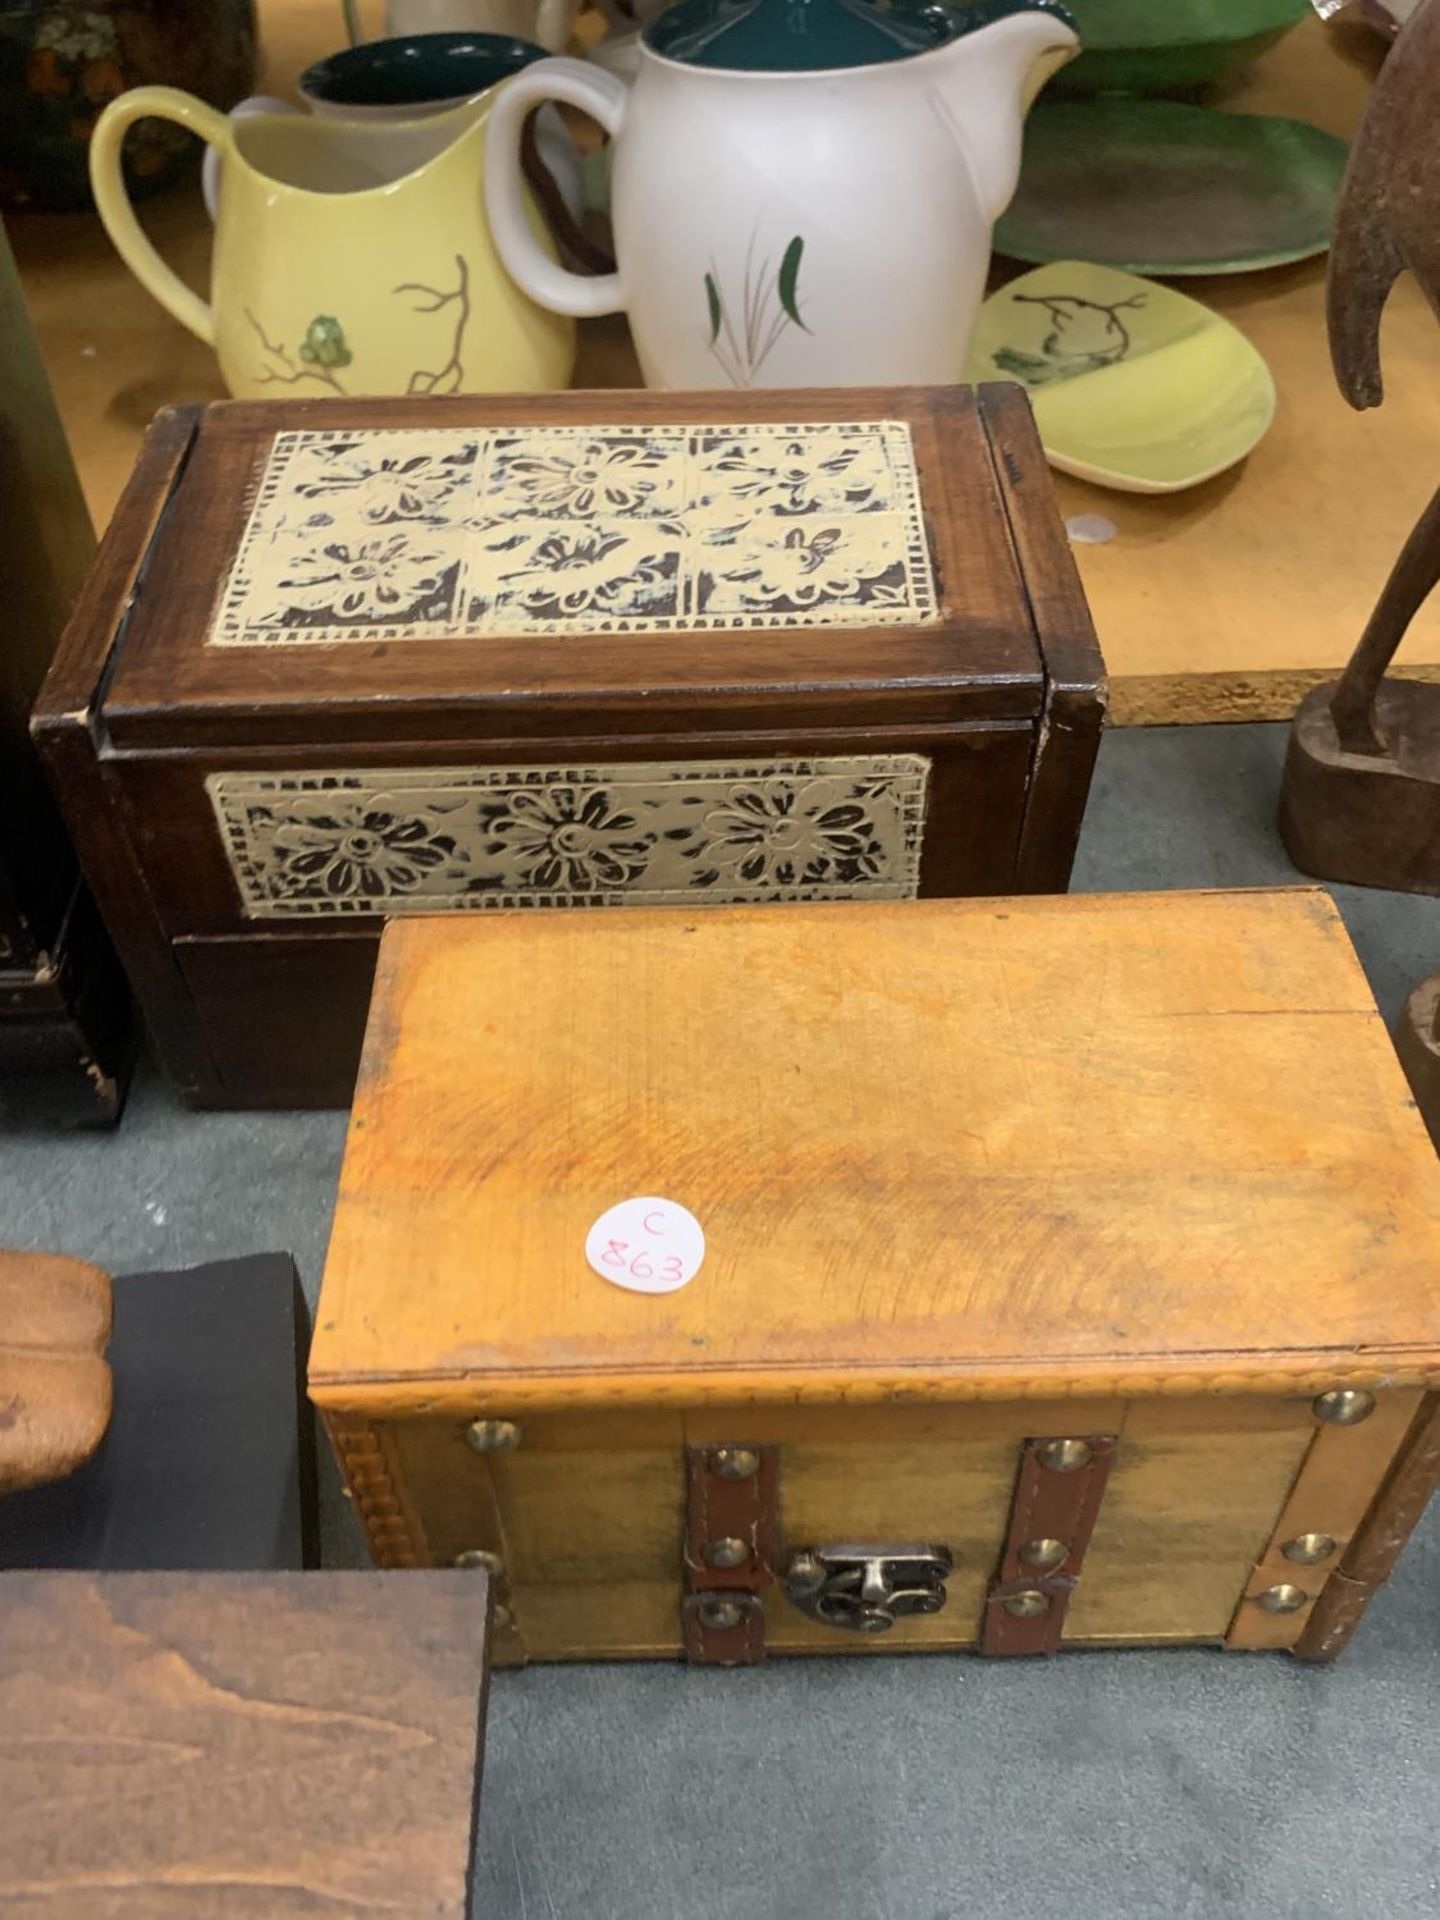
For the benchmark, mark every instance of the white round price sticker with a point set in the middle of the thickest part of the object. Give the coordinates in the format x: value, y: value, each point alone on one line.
x: 649, y: 1245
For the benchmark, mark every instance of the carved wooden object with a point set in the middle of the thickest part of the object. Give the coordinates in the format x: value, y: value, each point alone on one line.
x: 54, y: 1383
x: 1361, y: 795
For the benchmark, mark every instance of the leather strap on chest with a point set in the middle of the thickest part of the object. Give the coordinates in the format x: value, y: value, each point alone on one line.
x: 729, y: 1551
x: 1058, y: 1490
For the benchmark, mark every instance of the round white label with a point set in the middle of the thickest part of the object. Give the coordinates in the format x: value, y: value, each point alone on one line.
x: 649, y: 1245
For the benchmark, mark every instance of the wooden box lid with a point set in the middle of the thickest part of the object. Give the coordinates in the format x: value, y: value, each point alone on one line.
x: 516, y: 568
x: 1127, y: 1144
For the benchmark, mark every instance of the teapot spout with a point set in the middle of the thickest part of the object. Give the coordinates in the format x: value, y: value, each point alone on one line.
x: 995, y: 74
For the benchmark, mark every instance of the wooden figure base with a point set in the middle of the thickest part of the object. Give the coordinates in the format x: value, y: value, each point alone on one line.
x: 1370, y: 819
x: 1418, y: 1044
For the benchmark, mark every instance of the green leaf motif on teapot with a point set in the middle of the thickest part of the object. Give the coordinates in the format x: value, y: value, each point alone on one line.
x: 324, y: 343
x: 745, y: 326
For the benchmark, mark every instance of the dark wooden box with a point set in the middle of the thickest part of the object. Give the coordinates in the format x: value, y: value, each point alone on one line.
x: 342, y: 660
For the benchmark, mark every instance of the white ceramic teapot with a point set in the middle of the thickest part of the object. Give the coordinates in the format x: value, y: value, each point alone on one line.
x: 802, y: 191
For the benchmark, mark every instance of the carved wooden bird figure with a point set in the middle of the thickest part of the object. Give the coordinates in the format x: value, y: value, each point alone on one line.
x: 1388, y: 220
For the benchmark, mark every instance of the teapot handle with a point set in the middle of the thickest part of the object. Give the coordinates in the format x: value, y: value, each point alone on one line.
x: 107, y: 181
x: 604, y: 98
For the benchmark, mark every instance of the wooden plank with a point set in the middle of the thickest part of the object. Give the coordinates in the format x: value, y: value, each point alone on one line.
x: 1110, y: 1144
x: 202, y: 1745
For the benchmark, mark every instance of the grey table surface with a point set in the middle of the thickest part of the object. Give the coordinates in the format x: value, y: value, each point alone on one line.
x: 1171, y: 1784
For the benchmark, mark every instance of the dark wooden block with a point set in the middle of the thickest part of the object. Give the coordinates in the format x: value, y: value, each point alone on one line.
x: 1372, y: 819
x: 337, y: 662
x: 64, y: 1012
x: 209, y: 1461
x: 219, y: 1746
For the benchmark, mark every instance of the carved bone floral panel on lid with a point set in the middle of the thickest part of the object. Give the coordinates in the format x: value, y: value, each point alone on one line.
x: 462, y: 533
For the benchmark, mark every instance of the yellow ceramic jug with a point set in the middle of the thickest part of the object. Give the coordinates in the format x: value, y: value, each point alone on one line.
x: 350, y: 256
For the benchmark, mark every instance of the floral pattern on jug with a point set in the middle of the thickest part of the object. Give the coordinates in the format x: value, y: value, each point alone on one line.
x: 459, y: 534
x: 429, y: 840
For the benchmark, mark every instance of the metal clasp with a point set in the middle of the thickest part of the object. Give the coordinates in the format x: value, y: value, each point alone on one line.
x: 868, y: 1588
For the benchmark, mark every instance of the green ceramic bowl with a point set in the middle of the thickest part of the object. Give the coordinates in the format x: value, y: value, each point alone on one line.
x: 1170, y: 46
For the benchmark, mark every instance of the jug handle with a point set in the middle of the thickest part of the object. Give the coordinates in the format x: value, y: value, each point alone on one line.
x: 593, y: 91
x: 107, y: 181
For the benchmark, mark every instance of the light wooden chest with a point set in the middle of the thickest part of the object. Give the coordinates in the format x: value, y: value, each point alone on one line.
x: 1071, y: 1276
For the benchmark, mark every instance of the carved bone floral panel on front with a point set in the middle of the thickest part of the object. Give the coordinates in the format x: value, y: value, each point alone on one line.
x: 440, y: 840
x: 457, y: 533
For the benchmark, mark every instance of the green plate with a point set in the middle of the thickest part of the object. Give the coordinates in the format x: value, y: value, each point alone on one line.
x: 1134, y: 385
x: 1170, y: 46
x: 1157, y: 187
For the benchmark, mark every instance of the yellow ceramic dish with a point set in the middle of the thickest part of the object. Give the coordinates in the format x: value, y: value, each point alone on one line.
x: 1134, y: 386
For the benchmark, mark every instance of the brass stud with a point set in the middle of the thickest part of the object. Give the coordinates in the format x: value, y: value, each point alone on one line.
x: 1344, y: 1406
x: 735, y: 1463
x: 480, y: 1560
x: 502, y: 1619
x: 1043, y: 1553
x: 1309, y: 1549
x: 807, y: 1573
x: 1065, y: 1456
x: 727, y: 1553
x: 721, y: 1614
x: 493, y: 1436
x: 1028, y: 1604
x: 1282, y: 1599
